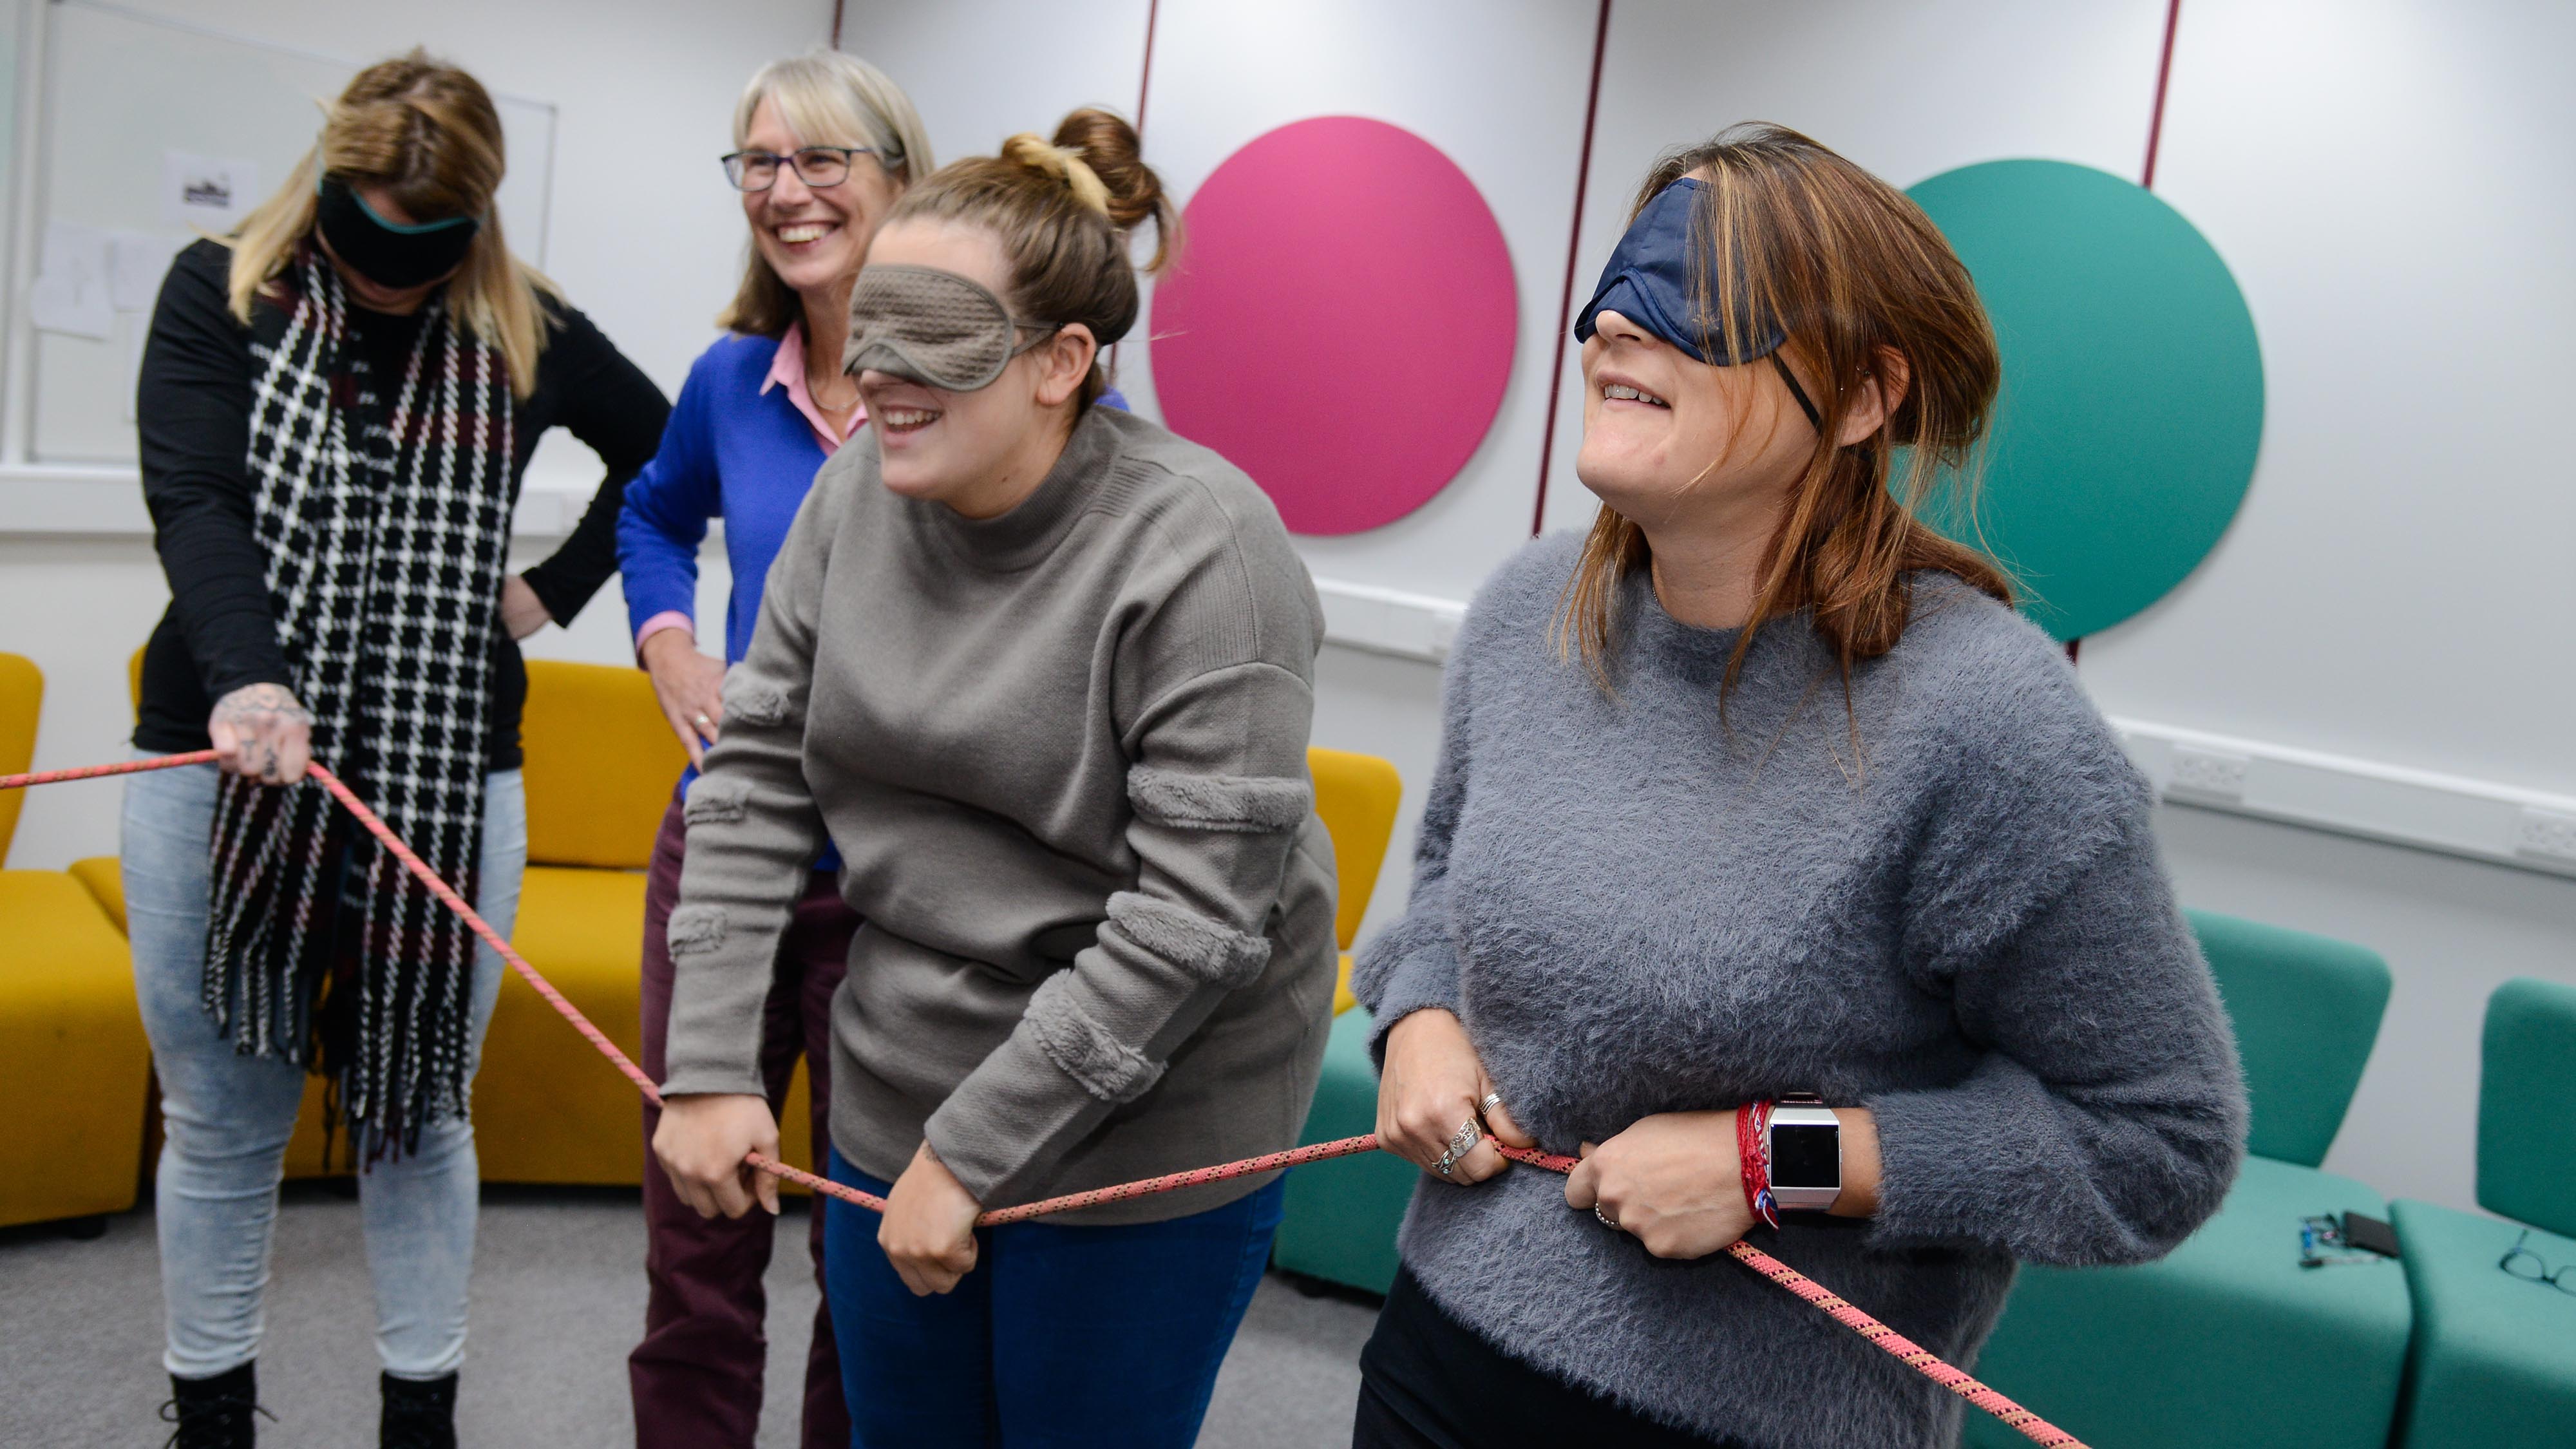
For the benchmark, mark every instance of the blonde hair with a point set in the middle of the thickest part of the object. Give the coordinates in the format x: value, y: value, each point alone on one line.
x: 427, y: 132
x: 1062, y: 210
x: 827, y: 98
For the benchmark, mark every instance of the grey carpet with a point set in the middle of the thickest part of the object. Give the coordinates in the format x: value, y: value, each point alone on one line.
x: 558, y: 1299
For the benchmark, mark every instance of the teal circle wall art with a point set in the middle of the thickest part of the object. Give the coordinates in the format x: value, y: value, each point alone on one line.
x: 2132, y: 404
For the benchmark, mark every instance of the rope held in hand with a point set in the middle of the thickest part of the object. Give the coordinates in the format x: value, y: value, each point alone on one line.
x: 1903, y: 1349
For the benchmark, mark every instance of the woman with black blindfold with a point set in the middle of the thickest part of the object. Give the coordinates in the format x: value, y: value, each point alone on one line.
x: 1774, y: 866
x: 336, y: 405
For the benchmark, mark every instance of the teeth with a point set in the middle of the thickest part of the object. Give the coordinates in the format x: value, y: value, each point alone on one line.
x: 1630, y: 394
x: 908, y: 417
x: 802, y: 231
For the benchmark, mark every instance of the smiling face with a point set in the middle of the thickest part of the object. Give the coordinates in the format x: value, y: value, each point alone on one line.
x: 979, y: 452
x: 814, y: 239
x: 1670, y: 439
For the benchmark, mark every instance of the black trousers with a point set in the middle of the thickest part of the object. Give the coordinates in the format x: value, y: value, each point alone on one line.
x: 1428, y: 1381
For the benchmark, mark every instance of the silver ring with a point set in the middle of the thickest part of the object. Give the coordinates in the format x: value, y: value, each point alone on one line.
x: 1490, y: 1102
x: 703, y: 722
x: 1607, y: 1221
x: 1461, y: 1142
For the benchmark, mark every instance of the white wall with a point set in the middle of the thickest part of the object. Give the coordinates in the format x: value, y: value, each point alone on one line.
x: 2390, y: 182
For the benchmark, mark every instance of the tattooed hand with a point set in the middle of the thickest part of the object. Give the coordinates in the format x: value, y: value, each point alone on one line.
x: 261, y: 732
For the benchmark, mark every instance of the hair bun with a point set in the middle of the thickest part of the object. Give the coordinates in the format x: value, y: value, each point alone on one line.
x: 1113, y: 152
x: 1063, y: 163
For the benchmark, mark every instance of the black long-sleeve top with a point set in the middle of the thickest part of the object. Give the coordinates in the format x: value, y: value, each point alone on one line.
x: 193, y: 406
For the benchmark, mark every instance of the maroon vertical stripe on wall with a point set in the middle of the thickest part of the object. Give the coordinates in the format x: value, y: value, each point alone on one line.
x: 1573, y: 247
x: 1145, y: 77
x: 2164, y: 74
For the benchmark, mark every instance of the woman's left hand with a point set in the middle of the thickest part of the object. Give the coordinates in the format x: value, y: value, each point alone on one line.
x: 522, y: 612
x: 929, y: 1227
x: 1671, y: 1181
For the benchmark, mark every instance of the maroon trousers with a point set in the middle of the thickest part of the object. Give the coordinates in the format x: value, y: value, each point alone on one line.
x: 697, y: 1375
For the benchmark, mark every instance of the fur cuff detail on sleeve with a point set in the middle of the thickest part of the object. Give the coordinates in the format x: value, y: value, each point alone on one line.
x: 1219, y: 802
x: 1217, y: 954
x: 695, y: 930
x: 1083, y: 1049
x: 754, y: 703
x: 716, y: 797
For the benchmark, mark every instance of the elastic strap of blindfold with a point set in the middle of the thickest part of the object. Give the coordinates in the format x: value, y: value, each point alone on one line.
x: 1815, y: 419
x: 414, y: 228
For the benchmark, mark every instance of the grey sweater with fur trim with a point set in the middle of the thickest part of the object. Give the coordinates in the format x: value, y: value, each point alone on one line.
x: 1636, y: 908
x: 1063, y: 755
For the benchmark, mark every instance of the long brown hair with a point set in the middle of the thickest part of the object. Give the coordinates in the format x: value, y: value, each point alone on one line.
x: 428, y: 132
x: 1062, y: 210
x: 1853, y: 271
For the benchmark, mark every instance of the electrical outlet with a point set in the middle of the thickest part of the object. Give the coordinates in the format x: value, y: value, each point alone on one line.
x: 2210, y: 774
x: 2550, y: 834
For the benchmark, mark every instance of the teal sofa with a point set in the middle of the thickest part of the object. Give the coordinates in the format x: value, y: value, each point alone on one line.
x: 1338, y: 1223
x: 2494, y: 1357
x: 2227, y: 1343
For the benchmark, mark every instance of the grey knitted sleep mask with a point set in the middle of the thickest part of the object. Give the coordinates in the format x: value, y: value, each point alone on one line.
x: 932, y: 327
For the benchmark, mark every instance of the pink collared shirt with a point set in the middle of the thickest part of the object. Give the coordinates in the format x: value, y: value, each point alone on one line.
x: 786, y: 370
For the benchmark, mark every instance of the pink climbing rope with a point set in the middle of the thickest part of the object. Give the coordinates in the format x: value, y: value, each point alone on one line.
x: 1897, y: 1345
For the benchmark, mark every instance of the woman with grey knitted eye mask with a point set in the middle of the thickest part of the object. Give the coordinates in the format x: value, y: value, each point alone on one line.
x: 1043, y: 672
x: 939, y: 329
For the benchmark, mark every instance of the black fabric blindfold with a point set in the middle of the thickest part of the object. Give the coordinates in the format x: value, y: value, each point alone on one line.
x: 390, y: 254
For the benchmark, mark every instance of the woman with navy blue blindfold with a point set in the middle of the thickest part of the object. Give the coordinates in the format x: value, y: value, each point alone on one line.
x: 1781, y: 871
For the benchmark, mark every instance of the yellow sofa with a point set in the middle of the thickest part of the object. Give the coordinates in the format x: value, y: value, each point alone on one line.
x: 600, y: 765
x: 1356, y: 795
x: 73, y: 1061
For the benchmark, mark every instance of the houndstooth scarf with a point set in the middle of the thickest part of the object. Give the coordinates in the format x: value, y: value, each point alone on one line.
x: 384, y: 558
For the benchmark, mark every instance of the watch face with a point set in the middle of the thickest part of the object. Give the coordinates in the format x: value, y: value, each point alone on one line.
x: 1803, y: 1156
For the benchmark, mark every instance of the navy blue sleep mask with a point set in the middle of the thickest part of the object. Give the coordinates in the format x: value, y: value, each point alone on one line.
x: 1648, y: 281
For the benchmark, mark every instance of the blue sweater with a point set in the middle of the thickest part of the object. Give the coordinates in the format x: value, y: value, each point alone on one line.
x: 730, y: 452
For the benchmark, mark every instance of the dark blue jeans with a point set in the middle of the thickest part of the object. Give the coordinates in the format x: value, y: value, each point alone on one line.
x: 1064, y: 1337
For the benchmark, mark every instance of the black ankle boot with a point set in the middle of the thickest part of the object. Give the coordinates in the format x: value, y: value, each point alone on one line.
x: 419, y: 1414
x: 213, y: 1413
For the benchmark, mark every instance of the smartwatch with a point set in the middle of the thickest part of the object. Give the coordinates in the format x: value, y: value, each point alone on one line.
x: 1806, y: 1150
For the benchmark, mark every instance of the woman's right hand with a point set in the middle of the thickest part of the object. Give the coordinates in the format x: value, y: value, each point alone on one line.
x: 261, y: 733
x: 689, y: 686
x: 1432, y: 1085
x: 702, y: 1142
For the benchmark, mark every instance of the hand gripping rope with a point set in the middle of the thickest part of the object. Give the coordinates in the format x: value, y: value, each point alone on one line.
x: 1905, y: 1350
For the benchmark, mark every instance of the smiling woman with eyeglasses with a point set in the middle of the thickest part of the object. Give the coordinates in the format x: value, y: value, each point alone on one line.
x: 823, y: 146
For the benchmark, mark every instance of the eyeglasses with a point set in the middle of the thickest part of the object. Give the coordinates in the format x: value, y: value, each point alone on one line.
x: 2527, y: 1265
x: 817, y: 166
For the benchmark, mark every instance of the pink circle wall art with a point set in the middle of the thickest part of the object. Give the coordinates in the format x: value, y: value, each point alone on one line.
x: 1341, y: 322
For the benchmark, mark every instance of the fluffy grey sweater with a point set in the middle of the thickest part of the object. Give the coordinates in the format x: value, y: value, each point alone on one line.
x: 1636, y: 908
x: 1063, y: 755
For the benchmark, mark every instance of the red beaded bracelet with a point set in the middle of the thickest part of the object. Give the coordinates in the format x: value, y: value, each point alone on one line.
x: 1753, y: 1154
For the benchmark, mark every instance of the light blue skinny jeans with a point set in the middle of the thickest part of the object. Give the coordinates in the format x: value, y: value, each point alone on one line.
x: 228, y: 1116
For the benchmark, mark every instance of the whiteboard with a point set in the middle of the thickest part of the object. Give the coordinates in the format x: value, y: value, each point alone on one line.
x: 124, y: 90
